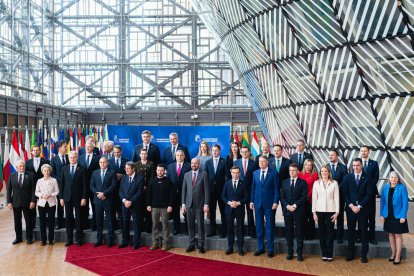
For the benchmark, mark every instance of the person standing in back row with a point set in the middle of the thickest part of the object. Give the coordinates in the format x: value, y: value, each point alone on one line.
x: 301, y: 155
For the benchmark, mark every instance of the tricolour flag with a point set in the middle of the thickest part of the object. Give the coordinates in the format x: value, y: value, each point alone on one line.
x: 245, y: 141
x: 32, y: 141
x: 53, y: 141
x: 22, y: 150
x: 236, y: 138
x: 72, y: 146
x: 62, y: 135
x: 14, y: 153
x: 6, y: 159
x: 27, y: 144
x: 255, y: 145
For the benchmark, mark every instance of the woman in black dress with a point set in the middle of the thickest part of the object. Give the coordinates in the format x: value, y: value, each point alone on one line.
x: 233, y: 156
x: 394, y: 208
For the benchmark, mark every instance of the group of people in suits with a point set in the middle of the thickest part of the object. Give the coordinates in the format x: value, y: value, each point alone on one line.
x: 153, y: 188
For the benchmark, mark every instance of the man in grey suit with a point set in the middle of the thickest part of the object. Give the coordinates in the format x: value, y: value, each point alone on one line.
x: 195, y: 198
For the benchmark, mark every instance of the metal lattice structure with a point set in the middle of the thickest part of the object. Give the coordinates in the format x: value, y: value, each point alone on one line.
x: 114, y: 55
x: 336, y: 73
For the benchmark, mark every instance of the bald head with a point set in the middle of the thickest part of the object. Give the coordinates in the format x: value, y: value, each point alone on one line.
x: 195, y: 164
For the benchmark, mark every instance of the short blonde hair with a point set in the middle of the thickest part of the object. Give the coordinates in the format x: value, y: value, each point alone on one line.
x: 46, y: 166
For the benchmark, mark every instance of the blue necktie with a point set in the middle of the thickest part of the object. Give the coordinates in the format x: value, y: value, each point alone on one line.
x: 357, y: 180
x: 117, y: 163
x: 102, y: 176
x: 300, y: 161
x: 278, y: 165
x: 365, y: 166
x: 263, y: 176
x: 72, y: 171
x: 333, y: 170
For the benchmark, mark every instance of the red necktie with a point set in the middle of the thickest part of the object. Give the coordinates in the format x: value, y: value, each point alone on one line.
x: 194, y: 179
x: 244, y: 167
x: 179, y: 170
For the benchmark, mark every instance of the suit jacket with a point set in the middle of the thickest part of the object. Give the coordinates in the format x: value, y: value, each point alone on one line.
x: 399, y: 201
x: 177, y: 181
x: 357, y: 195
x: 147, y: 171
x: 93, y: 165
x: 264, y: 193
x: 73, y: 189
x: 50, y: 187
x: 295, y: 158
x: 340, y: 172
x: 95, y: 150
x: 239, y: 195
x: 299, y: 196
x: 373, y: 174
x: 168, y: 158
x: 109, y: 156
x: 256, y: 160
x: 153, y: 154
x: 217, y: 178
x: 132, y: 192
x: 57, y: 166
x: 229, y: 164
x: 21, y: 197
x: 284, y: 168
x: 107, y: 186
x: 121, y: 169
x: 198, y: 196
x: 36, y: 174
x: 248, y: 178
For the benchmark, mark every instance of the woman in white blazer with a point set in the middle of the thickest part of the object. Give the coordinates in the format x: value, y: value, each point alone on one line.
x: 47, y: 189
x: 325, y: 209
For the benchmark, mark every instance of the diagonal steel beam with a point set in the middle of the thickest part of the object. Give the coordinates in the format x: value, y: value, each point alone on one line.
x: 220, y: 94
x: 106, y: 6
x: 67, y: 6
x: 178, y: 5
x: 137, y: 6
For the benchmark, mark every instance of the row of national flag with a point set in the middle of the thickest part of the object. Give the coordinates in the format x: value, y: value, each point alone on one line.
x: 20, y: 149
x: 255, y: 146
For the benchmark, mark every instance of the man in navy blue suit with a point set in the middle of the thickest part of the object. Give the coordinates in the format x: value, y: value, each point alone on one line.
x: 266, y: 152
x: 371, y: 169
x: 301, y: 155
x: 168, y: 156
x: 294, y: 194
x: 247, y: 167
x: 280, y: 163
x: 235, y: 197
x: 264, y: 198
x: 57, y: 163
x: 357, y: 190
x: 130, y: 193
x: 117, y: 163
x: 339, y: 171
x: 215, y: 168
x: 103, y: 184
x: 176, y: 172
x: 152, y: 149
x: 89, y: 138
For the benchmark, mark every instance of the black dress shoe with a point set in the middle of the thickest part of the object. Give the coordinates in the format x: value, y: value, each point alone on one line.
x: 29, y: 241
x: 79, y: 243
x: 397, y: 263
x: 373, y: 241
x: 43, y: 243
x: 176, y: 233
x: 68, y: 243
x: 391, y: 259
x: 340, y: 241
x: 16, y: 241
x: 110, y: 244
x: 364, y: 260
x: 241, y: 252
x: 349, y: 258
x: 222, y: 236
x: 136, y: 246
x: 122, y: 245
x: 52, y: 243
x: 211, y: 235
x: 229, y: 251
x: 253, y: 235
x: 98, y: 243
x: 190, y: 248
x: 201, y: 250
x: 358, y: 240
x: 289, y: 257
x: 259, y: 252
x: 270, y: 254
x: 300, y: 258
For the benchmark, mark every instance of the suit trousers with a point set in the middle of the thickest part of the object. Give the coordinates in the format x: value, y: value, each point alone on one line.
x: 127, y: 213
x: 194, y: 214
x: 157, y: 214
x: 309, y: 226
x: 101, y: 210
x: 250, y: 217
x: 294, y: 227
x: 214, y: 198
x: 145, y: 220
x: 117, y: 210
x: 175, y: 214
x: 70, y: 220
x: 362, y: 219
x: 85, y: 211
x: 371, y: 218
x: 49, y: 220
x: 340, y: 218
x: 326, y: 233
x: 33, y: 216
x: 230, y: 229
x: 269, y: 214
x: 60, y: 212
x: 17, y: 213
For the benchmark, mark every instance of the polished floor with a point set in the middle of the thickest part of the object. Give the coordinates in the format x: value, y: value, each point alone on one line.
x: 23, y: 259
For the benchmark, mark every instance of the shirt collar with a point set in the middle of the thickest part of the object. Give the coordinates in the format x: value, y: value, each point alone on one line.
x: 265, y: 170
x: 133, y: 175
x: 196, y: 171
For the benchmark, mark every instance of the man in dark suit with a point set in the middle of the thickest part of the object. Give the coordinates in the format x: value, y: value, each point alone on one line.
x: 357, y: 190
x: 294, y: 194
x: 130, y: 193
x: 33, y: 165
x: 264, y: 198
x: 247, y: 167
x: 89, y: 138
x: 109, y: 149
x: 280, y: 163
x: 195, y: 198
x: 176, y: 172
x: 339, y: 171
x: 21, y: 198
x: 57, y: 163
x: 103, y: 184
x: 168, y: 156
x: 234, y: 195
x: 73, y: 196
x: 265, y: 152
x: 215, y: 168
x: 371, y: 169
x: 90, y: 162
x: 301, y: 155
x: 117, y: 163
x: 152, y: 149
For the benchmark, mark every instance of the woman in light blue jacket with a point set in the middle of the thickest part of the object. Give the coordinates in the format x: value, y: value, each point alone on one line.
x: 393, y: 212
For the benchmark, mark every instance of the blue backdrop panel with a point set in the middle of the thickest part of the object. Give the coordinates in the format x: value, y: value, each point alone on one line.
x: 191, y: 136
